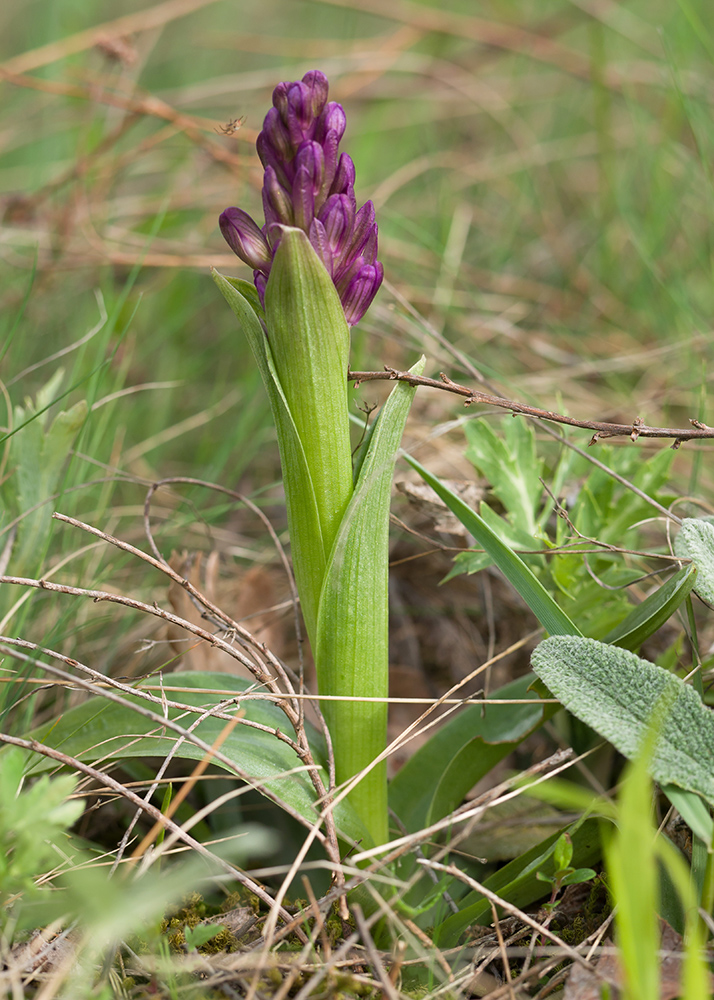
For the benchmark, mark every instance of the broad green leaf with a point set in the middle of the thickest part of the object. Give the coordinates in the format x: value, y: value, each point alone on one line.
x: 517, y: 882
x: 104, y: 730
x: 644, y: 620
x: 308, y: 548
x: 617, y: 694
x: 551, y: 617
x: 434, y: 781
x: 695, y: 541
x: 352, y: 647
x: 510, y: 464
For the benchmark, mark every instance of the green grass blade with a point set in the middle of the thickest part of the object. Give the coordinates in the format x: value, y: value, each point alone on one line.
x: 632, y: 874
x: 551, y: 617
x: 644, y: 620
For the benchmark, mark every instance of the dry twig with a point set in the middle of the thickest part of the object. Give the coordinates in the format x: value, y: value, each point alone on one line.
x: 602, y: 429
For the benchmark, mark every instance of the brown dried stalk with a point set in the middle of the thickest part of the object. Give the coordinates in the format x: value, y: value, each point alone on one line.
x: 638, y: 428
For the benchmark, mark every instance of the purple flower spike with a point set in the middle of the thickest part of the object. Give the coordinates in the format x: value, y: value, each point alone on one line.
x: 306, y: 184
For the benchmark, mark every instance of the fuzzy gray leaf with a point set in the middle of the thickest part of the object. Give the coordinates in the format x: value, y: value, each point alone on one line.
x: 695, y: 541
x: 620, y: 695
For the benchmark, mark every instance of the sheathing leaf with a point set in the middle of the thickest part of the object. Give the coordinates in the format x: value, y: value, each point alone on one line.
x: 352, y: 632
x: 306, y: 539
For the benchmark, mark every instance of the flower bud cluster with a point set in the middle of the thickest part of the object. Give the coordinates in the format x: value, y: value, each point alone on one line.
x: 308, y: 186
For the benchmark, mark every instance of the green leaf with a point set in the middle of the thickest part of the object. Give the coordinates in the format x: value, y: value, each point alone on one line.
x: 308, y: 547
x: 196, y: 937
x: 510, y: 464
x: 310, y: 343
x: 512, y: 536
x: 39, y: 454
x: 435, y: 779
x: 692, y: 810
x: 644, y: 620
x: 518, y: 882
x: 632, y: 872
x: 551, y: 617
x: 102, y: 729
x: 578, y: 876
x: 618, y: 694
x: 563, y: 853
x: 695, y: 541
x: 352, y: 647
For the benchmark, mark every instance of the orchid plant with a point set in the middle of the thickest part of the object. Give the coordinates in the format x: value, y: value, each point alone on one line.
x: 315, y: 274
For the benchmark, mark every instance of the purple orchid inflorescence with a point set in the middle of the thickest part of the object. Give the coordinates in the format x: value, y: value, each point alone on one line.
x: 306, y: 185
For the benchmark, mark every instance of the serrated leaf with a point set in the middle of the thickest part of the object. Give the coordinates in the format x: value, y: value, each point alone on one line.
x: 352, y: 631
x: 695, y: 541
x: 617, y: 694
x: 510, y: 464
x: 644, y: 620
x: 100, y: 729
x: 552, y: 618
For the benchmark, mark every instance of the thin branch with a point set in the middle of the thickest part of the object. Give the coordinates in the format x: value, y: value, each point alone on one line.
x: 638, y: 428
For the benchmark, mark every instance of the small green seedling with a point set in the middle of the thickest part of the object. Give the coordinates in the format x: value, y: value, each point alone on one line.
x: 564, y: 873
x: 196, y: 937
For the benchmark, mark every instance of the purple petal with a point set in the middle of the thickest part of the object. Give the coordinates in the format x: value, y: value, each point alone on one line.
x: 274, y: 141
x: 358, y: 296
x: 310, y: 165
x: 303, y: 199
x: 337, y: 216
x: 245, y: 239
x: 344, y: 181
x: 329, y: 150
x: 260, y: 281
x: 318, y: 89
x: 332, y: 119
x: 364, y: 231
x: 311, y: 156
x: 319, y: 241
x: 299, y: 119
x: 277, y: 203
x: 280, y: 98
